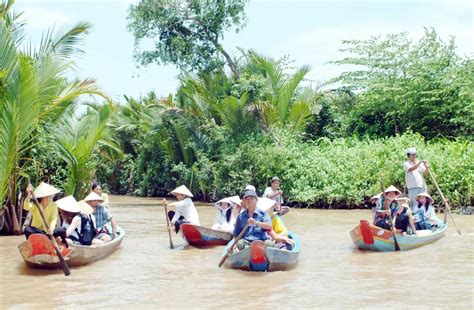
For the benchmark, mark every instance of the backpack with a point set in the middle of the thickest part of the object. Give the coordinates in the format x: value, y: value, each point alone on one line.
x: 87, y: 233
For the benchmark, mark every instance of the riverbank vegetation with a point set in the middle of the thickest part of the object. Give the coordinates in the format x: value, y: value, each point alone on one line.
x: 235, y: 119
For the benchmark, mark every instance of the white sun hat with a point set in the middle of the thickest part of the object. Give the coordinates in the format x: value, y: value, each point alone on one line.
x: 69, y: 204
x: 235, y: 200
x: 93, y: 197
x: 392, y: 188
x: 376, y: 197
x: 224, y: 200
x: 425, y: 194
x: 45, y: 190
x: 85, y: 207
x: 264, y: 204
x: 182, y: 190
x: 411, y: 151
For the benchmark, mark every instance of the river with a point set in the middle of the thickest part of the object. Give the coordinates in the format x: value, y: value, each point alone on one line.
x: 145, y: 273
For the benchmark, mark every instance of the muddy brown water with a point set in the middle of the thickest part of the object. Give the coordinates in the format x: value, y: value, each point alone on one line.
x: 145, y: 273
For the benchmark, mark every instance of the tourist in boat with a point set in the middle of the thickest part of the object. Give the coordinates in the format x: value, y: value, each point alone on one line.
x: 374, y: 199
x: 279, y: 232
x: 403, y: 217
x: 45, y: 194
x: 106, y: 225
x: 78, y: 222
x: 185, y: 212
x: 97, y: 188
x: 389, y: 208
x: 224, y: 221
x: 424, y: 213
x: 414, y: 171
x: 259, y: 222
x: 275, y: 193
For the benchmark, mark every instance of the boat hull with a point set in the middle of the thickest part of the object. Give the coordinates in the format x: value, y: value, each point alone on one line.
x: 199, y: 236
x: 372, y: 238
x: 39, y: 252
x: 259, y: 257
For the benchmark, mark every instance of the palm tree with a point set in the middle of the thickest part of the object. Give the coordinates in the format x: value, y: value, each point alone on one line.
x: 34, y: 91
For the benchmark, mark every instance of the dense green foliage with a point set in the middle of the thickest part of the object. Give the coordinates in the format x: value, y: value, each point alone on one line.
x: 35, y: 97
x: 185, y: 33
x: 402, y: 85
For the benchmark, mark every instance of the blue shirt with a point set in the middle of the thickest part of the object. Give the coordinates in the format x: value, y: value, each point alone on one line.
x: 253, y: 232
x: 102, y: 216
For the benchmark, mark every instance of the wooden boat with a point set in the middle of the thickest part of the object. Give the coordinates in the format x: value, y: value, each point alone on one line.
x: 259, y: 257
x: 38, y: 251
x: 199, y: 236
x: 372, y: 238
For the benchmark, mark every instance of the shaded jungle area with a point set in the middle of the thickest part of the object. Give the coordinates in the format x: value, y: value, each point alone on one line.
x: 235, y: 119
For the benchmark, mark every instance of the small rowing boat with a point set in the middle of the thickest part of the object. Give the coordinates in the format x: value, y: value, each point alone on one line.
x: 199, y: 236
x: 259, y: 257
x: 372, y: 238
x: 38, y: 251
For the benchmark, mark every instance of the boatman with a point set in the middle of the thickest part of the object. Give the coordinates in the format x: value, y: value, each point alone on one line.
x: 259, y: 222
x: 414, y: 179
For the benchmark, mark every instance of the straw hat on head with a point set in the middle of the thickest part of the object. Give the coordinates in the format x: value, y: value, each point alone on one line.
x: 182, y: 190
x: 391, y: 189
x: 85, y: 207
x: 376, y: 197
x: 264, y: 204
x: 235, y: 200
x: 225, y: 200
x: 425, y: 194
x: 69, y: 204
x: 45, y: 190
x: 93, y: 197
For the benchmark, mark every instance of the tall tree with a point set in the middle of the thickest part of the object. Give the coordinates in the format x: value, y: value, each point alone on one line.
x: 185, y: 33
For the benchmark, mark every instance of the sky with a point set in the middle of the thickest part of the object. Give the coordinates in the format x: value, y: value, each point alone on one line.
x: 309, y: 32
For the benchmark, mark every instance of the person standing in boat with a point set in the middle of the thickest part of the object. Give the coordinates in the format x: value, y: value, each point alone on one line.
x: 275, y: 193
x: 414, y: 179
x: 259, y: 222
x: 185, y: 212
x: 424, y: 213
x: 106, y: 225
x: 45, y: 194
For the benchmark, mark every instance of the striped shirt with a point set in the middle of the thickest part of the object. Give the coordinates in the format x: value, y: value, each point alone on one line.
x: 102, y: 216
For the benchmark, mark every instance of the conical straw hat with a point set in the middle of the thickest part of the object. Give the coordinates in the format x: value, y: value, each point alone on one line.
x: 68, y: 204
x: 182, y: 190
x: 425, y: 194
x: 376, y: 196
x: 235, y: 200
x: 45, y: 190
x: 264, y: 204
x: 85, y: 207
x: 224, y: 200
x: 392, y: 188
x: 93, y: 197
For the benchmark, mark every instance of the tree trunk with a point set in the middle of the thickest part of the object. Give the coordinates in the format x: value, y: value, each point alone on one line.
x: 15, y: 226
x: 230, y: 61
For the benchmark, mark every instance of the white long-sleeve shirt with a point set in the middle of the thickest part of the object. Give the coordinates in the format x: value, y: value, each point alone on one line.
x: 221, y: 223
x: 186, y: 209
x: 429, y: 215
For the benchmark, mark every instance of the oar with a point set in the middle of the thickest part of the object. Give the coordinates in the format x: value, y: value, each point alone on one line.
x: 231, y: 248
x: 53, y: 240
x: 447, y: 208
x: 165, y: 204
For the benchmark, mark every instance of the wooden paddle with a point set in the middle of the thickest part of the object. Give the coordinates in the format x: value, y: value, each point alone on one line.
x: 63, y: 263
x: 231, y: 248
x: 165, y: 204
x: 447, y: 209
